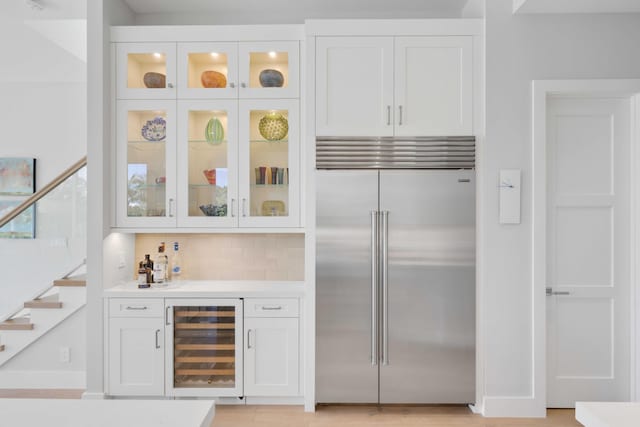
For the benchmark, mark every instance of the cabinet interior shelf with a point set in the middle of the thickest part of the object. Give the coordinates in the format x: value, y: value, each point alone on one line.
x: 204, y: 186
x: 269, y: 185
x: 205, y: 142
x: 198, y: 359
x: 205, y: 313
x: 145, y: 142
x: 269, y: 142
x: 198, y: 372
x: 205, y: 346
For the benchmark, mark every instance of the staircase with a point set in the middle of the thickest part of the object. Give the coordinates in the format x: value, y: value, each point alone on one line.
x: 41, y: 315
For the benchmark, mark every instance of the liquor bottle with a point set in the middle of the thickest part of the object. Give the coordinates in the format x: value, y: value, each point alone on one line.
x: 176, y: 263
x: 148, y: 267
x: 160, y: 266
x: 142, y: 275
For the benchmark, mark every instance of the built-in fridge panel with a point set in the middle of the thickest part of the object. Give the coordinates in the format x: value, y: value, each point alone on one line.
x: 344, y: 369
x: 428, y: 294
x: 204, y: 347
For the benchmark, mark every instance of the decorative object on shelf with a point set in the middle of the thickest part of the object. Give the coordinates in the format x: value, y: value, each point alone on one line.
x: 210, y: 174
x: 153, y: 80
x: 161, y: 180
x: 155, y: 130
x: 213, y: 79
x: 271, y: 78
x: 214, y: 131
x: 272, y: 208
x: 273, y: 127
x: 213, y: 210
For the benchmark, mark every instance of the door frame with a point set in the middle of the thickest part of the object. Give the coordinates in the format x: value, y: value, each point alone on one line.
x: 542, y: 90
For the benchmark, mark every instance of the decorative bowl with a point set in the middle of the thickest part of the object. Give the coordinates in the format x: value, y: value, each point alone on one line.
x: 210, y: 174
x: 214, y: 132
x: 213, y: 79
x: 213, y: 210
x: 154, y: 80
x: 273, y: 127
x: 155, y: 130
x: 271, y: 78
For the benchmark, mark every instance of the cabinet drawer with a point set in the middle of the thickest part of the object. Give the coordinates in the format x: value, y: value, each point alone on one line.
x: 136, y: 307
x: 271, y: 307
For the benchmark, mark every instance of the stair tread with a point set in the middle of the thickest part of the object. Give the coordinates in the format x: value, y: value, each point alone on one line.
x: 19, y: 323
x: 50, y: 301
x: 80, y: 280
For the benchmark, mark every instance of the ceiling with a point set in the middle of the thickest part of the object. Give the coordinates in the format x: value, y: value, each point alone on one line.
x: 290, y: 11
x: 576, y: 6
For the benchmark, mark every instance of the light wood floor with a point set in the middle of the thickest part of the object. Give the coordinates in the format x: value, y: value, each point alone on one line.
x: 349, y: 416
x: 365, y: 416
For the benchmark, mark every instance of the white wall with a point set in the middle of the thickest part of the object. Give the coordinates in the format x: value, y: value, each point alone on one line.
x: 520, y: 49
x: 39, y: 365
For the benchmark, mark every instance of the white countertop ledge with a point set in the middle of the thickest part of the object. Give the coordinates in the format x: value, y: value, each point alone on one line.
x: 210, y: 289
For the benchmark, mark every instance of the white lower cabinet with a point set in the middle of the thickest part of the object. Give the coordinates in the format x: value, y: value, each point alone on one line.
x: 271, y: 357
x: 136, y: 356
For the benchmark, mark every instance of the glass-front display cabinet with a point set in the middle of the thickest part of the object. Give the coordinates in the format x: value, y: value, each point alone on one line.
x: 269, y: 69
x: 269, y: 160
x: 208, y: 70
x: 208, y: 163
x: 146, y: 70
x: 146, y: 167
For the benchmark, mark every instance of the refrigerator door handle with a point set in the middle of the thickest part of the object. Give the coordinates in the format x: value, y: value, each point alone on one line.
x: 375, y: 266
x: 385, y: 286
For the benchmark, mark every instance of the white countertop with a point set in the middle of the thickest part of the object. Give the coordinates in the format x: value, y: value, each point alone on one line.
x: 608, y: 414
x: 106, y: 413
x: 210, y: 288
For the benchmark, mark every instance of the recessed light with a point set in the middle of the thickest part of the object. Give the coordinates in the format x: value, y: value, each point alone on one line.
x: 272, y: 54
x: 215, y: 54
x: 157, y: 55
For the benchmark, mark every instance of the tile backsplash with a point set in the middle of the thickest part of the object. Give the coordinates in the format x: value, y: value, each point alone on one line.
x: 230, y: 256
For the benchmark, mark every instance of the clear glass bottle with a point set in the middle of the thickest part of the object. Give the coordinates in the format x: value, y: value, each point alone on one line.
x: 160, y: 266
x: 176, y: 263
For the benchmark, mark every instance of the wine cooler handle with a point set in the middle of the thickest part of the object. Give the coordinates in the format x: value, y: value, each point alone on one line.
x: 374, y: 288
x: 384, y: 272
x: 166, y: 315
x: 248, y: 338
x: 157, y: 342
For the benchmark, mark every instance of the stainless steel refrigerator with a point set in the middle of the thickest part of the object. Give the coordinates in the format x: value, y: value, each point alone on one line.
x: 395, y: 272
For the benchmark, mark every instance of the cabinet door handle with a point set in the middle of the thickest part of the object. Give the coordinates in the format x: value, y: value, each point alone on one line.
x: 130, y: 307
x: 170, y: 85
x: 157, y: 341
x: 166, y: 315
x: 248, y: 338
x: 244, y: 207
x: 232, y: 85
x: 243, y: 85
x: 400, y: 119
x: 278, y: 307
x: 171, y: 208
x: 388, y: 115
x: 233, y: 208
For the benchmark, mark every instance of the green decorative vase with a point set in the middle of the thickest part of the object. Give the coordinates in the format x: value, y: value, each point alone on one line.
x: 273, y: 127
x: 214, y: 132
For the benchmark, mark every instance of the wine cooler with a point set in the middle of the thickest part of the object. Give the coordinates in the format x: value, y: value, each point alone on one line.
x: 206, y: 347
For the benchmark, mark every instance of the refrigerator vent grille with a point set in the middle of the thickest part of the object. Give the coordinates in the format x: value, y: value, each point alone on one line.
x: 450, y: 152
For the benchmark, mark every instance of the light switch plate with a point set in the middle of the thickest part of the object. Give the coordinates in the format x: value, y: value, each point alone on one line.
x: 509, y: 196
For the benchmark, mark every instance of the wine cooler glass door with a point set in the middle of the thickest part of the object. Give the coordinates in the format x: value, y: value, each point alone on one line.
x: 207, y: 348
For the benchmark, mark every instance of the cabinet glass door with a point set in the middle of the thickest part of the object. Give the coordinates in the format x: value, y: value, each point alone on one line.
x: 146, y: 70
x: 146, y: 184
x: 206, y: 347
x: 208, y: 158
x: 269, y: 157
x: 207, y: 70
x: 269, y: 69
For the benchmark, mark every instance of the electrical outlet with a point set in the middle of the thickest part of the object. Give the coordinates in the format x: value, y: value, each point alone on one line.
x: 65, y: 355
x: 122, y: 263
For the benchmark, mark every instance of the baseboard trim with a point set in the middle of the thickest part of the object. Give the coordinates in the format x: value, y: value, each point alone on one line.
x: 93, y: 396
x: 513, y: 407
x: 476, y: 409
x: 296, y: 400
x: 43, y: 379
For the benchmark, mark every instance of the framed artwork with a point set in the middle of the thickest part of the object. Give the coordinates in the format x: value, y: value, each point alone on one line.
x: 21, y: 227
x: 17, y: 176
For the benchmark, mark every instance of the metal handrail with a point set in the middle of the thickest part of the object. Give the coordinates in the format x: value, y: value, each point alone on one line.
x: 44, y: 191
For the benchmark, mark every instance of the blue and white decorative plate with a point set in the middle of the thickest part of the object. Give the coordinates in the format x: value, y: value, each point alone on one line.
x: 155, y: 130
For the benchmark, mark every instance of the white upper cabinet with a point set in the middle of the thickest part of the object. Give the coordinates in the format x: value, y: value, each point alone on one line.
x: 269, y: 69
x: 433, y: 93
x: 146, y: 70
x: 208, y: 70
x: 354, y: 88
x: 394, y: 86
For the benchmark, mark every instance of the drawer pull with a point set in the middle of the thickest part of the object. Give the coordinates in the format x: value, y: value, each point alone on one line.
x: 144, y: 307
x: 279, y: 307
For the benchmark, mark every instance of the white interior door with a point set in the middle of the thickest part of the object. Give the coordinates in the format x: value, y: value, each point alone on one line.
x: 588, y: 250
